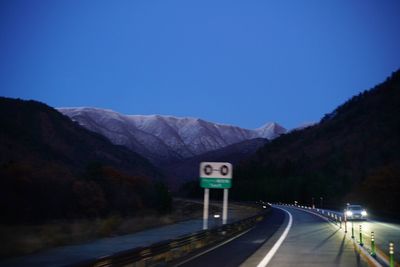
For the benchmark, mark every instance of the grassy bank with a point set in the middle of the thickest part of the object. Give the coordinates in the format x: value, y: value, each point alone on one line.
x: 16, y: 240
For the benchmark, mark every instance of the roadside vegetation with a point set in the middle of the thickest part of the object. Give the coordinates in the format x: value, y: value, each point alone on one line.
x: 24, y: 239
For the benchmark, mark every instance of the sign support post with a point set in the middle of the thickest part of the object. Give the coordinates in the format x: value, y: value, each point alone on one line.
x: 225, y: 207
x: 205, y: 208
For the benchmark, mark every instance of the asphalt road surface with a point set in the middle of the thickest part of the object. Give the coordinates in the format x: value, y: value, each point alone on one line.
x: 237, y: 251
x: 310, y: 241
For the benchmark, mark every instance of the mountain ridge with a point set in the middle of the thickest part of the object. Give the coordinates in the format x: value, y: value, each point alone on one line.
x: 165, y: 139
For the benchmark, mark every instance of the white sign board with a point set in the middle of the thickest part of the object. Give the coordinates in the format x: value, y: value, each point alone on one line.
x: 216, y: 170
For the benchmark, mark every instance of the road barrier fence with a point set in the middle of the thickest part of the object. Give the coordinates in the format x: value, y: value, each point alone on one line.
x: 165, y: 252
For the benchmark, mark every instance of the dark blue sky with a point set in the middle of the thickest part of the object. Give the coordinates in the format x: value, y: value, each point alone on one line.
x: 235, y: 62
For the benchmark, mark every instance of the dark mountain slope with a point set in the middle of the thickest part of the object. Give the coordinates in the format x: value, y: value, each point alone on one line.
x: 351, y: 155
x: 188, y: 170
x: 50, y: 167
x: 32, y: 129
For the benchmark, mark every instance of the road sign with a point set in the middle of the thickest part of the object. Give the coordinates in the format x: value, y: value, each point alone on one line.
x: 216, y: 175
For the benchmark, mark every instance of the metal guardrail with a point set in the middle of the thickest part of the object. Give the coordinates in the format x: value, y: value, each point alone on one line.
x: 162, y: 253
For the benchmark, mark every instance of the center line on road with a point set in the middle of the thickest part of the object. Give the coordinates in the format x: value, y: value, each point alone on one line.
x: 278, y: 243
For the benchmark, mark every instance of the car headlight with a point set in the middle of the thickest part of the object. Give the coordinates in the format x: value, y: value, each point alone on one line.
x: 349, y: 213
x: 364, y: 213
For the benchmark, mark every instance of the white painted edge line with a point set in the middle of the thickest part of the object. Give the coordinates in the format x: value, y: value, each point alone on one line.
x: 211, y: 249
x: 361, y: 248
x: 264, y: 262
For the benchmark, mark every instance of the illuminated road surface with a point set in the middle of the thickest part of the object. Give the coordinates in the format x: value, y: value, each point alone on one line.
x: 310, y: 241
x: 314, y: 242
x: 384, y: 233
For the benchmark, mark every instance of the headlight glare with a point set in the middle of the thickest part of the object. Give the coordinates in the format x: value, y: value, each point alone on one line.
x: 364, y: 213
x: 349, y: 213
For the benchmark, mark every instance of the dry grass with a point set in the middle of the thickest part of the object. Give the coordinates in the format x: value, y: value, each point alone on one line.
x: 25, y: 239
x: 20, y: 240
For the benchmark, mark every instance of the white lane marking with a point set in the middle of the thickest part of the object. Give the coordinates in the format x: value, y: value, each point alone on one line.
x: 210, y: 249
x: 278, y: 243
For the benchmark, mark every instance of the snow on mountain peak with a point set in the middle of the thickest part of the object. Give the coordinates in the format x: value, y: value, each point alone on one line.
x: 165, y: 138
x: 270, y: 130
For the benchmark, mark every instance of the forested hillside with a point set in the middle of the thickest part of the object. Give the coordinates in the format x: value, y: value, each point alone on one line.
x: 352, y: 155
x: 50, y: 167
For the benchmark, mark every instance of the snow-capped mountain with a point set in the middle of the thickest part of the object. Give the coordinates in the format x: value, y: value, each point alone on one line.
x: 166, y: 138
x: 270, y: 130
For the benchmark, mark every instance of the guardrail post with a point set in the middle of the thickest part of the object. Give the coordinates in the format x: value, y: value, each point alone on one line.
x: 352, y: 230
x: 345, y: 224
x: 340, y: 220
x: 361, y: 241
x: 391, y: 254
x: 373, y: 253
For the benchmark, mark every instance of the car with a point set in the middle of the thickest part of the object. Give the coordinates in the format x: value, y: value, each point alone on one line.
x: 355, y: 212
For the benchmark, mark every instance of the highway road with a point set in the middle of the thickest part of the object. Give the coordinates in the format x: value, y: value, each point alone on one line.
x: 238, y: 250
x: 288, y: 237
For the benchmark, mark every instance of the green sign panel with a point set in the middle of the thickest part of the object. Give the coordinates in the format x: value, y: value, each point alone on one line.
x: 219, y: 183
